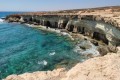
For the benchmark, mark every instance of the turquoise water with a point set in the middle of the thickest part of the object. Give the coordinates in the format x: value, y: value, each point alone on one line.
x: 24, y: 49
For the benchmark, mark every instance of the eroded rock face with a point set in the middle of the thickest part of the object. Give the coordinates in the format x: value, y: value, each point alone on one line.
x: 13, y: 18
x: 98, y: 30
x: 62, y: 23
x: 99, y: 23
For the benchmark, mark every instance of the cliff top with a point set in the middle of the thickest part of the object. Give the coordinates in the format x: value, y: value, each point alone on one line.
x: 75, y: 11
x: 109, y: 15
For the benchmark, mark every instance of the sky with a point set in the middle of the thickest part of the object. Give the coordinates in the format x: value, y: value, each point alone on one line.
x: 52, y: 5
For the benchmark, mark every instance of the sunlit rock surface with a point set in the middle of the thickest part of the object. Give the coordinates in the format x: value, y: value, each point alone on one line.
x: 99, y: 23
x: 43, y: 75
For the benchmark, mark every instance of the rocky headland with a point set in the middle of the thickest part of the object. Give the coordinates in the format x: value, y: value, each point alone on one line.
x: 100, y: 25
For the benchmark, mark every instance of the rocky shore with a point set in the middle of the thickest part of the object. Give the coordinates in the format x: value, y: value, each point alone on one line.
x: 100, y: 26
x: 84, y: 45
x: 98, y: 68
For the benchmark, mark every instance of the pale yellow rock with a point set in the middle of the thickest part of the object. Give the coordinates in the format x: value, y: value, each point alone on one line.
x: 118, y: 49
x: 99, y: 68
x: 40, y: 75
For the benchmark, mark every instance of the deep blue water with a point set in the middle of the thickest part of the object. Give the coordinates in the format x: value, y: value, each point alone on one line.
x: 24, y: 49
x: 4, y: 14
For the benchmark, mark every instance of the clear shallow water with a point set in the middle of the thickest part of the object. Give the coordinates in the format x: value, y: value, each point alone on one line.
x: 24, y: 49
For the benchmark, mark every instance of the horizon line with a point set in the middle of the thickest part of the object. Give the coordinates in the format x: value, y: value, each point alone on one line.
x: 60, y: 10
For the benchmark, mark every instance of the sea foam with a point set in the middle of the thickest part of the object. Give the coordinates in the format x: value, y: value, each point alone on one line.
x: 1, y: 20
x: 44, y: 62
x: 52, y: 53
x: 92, y: 50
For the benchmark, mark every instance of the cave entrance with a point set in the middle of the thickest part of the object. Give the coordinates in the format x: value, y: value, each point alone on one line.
x: 99, y: 36
x: 56, y: 24
x: 83, y: 30
x: 26, y: 20
x: 34, y: 20
x: 30, y: 19
x: 41, y: 22
x: 96, y: 35
x: 64, y: 25
x: 104, y: 39
x: 38, y: 21
x: 48, y: 24
x: 79, y: 29
x: 71, y: 28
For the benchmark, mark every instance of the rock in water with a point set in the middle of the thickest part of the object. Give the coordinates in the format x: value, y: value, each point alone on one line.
x: 85, y: 45
x: 103, y: 50
x: 95, y: 42
x: 113, y: 49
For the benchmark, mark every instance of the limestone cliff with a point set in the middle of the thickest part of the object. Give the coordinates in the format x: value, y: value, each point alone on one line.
x: 98, y: 23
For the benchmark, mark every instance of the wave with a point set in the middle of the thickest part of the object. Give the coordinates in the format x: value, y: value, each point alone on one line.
x: 52, y: 53
x: 44, y: 62
x: 1, y: 20
x: 91, y: 50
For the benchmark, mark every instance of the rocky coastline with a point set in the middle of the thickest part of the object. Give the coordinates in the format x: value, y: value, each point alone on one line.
x: 100, y: 26
x: 98, y: 68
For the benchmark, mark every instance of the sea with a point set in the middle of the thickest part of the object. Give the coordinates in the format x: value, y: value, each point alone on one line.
x: 26, y: 49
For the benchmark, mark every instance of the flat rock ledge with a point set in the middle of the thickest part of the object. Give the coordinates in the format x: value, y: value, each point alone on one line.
x: 98, y: 68
x: 40, y: 75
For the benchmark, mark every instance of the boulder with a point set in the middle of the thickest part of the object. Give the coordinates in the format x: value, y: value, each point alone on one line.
x: 94, y: 42
x: 85, y: 45
x: 113, y: 49
x: 103, y: 50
